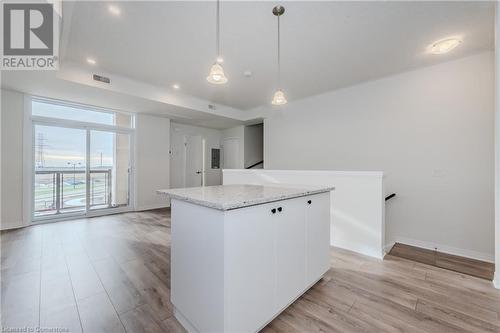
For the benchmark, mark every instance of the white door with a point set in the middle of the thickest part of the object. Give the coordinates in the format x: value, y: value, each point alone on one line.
x: 231, y: 151
x: 194, y: 161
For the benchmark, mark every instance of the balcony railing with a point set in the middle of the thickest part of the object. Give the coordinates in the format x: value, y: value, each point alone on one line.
x: 61, y: 190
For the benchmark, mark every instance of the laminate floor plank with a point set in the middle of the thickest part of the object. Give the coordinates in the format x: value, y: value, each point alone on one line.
x: 21, y: 301
x: 112, y: 274
x: 379, y: 285
x: 153, y: 291
x: 472, y: 324
x: 382, y: 309
x: 84, y: 278
x: 141, y: 320
x: 477, y: 268
x: 97, y: 314
x: 122, y: 292
x: 65, y: 317
x: 172, y: 325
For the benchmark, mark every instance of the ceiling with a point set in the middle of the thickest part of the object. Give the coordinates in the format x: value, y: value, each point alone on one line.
x: 47, y: 84
x: 325, y: 45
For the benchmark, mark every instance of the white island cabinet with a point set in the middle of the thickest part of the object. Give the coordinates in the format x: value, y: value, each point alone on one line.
x: 240, y: 254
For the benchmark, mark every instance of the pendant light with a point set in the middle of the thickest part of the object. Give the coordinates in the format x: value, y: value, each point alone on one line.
x: 216, y: 74
x: 279, y: 97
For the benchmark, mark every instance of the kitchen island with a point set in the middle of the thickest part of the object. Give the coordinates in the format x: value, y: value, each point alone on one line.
x: 241, y: 254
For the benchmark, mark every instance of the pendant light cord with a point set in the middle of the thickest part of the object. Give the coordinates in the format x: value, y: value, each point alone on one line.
x: 217, y: 29
x: 279, y: 55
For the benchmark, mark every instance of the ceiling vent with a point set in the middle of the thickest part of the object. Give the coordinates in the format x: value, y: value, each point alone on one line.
x: 101, y: 78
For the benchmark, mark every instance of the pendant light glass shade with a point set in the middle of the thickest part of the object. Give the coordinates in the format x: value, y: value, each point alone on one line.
x: 279, y: 98
x: 216, y: 75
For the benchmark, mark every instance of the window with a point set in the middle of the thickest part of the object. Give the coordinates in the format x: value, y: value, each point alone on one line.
x: 81, y: 159
x: 42, y: 108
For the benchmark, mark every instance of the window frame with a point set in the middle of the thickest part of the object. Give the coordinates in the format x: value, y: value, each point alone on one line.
x: 31, y: 121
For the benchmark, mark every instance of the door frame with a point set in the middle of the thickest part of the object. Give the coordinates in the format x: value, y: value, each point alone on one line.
x: 30, y: 122
x: 203, y: 157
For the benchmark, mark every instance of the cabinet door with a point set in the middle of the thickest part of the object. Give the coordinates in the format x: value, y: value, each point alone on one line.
x: 318, y: 236
x: 290, y: 250
x: 249, y: 268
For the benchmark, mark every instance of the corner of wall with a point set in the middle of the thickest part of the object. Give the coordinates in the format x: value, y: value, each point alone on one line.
x: 387, y: 248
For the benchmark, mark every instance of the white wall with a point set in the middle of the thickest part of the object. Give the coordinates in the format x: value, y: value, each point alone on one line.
x: 250, y: 144
x: 497, y: 147
x: 1, y: 99
x: 12, y: 115
x: 212, y: 140
x: 152, y: 160
x: 357, y: 203
x: 254, y: 145
x: 430, y: 131
x: 237, y: 132
x: 152, y: 163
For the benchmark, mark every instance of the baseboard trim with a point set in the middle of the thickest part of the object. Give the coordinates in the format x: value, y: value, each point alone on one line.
x: 447, y: 249
x: 388, y: 247
x: 358, y: 248
x: 13, y: 226
x: 150, y: 207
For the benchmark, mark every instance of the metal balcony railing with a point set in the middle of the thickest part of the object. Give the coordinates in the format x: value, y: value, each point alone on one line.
x: 62, y: 190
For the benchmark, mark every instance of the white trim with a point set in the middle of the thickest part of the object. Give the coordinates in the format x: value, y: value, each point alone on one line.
x: 79, y: 215
x: 31, y: 121
x: 496, y: 280
x: 12, y: 226
x: 78, y: 105
x: 377, y: 174
x: 387, y: 247
x: 358, y: 248
x: 150, y: 207
x: 488, y: 257
x: 266, y: 149
x: 28, y: 165
x: 79, y: 124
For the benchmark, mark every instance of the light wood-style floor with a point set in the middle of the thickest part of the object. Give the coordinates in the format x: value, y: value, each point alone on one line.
x: 111, y: 274
x: 478, y: 268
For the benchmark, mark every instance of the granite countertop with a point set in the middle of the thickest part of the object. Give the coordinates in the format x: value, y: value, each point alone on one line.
x: 226, y: 197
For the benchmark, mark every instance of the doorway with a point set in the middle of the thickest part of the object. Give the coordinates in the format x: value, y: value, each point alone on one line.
x: 231, y: 153
x: 194, y: 168
x: 80, y: 167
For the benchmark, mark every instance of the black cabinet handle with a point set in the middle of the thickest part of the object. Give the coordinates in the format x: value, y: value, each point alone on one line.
x: 280, y: 209
x: 309, y: 202
x: 273, y: 210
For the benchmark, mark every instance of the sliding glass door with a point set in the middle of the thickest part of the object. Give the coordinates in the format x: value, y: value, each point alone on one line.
x: 109, y: 169
x: 60, y: 178
x: 80, y: 168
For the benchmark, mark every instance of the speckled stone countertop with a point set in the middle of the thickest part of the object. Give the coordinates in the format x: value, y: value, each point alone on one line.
x: 226, y: 197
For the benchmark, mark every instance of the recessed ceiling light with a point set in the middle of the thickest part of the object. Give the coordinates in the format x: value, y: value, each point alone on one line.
x: 114, y: 10
x: 91, y: 61
x: 176, y: 86
x: 444, y: 45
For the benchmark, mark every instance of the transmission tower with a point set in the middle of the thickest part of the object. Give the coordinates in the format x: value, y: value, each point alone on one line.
x: 40, y: 150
